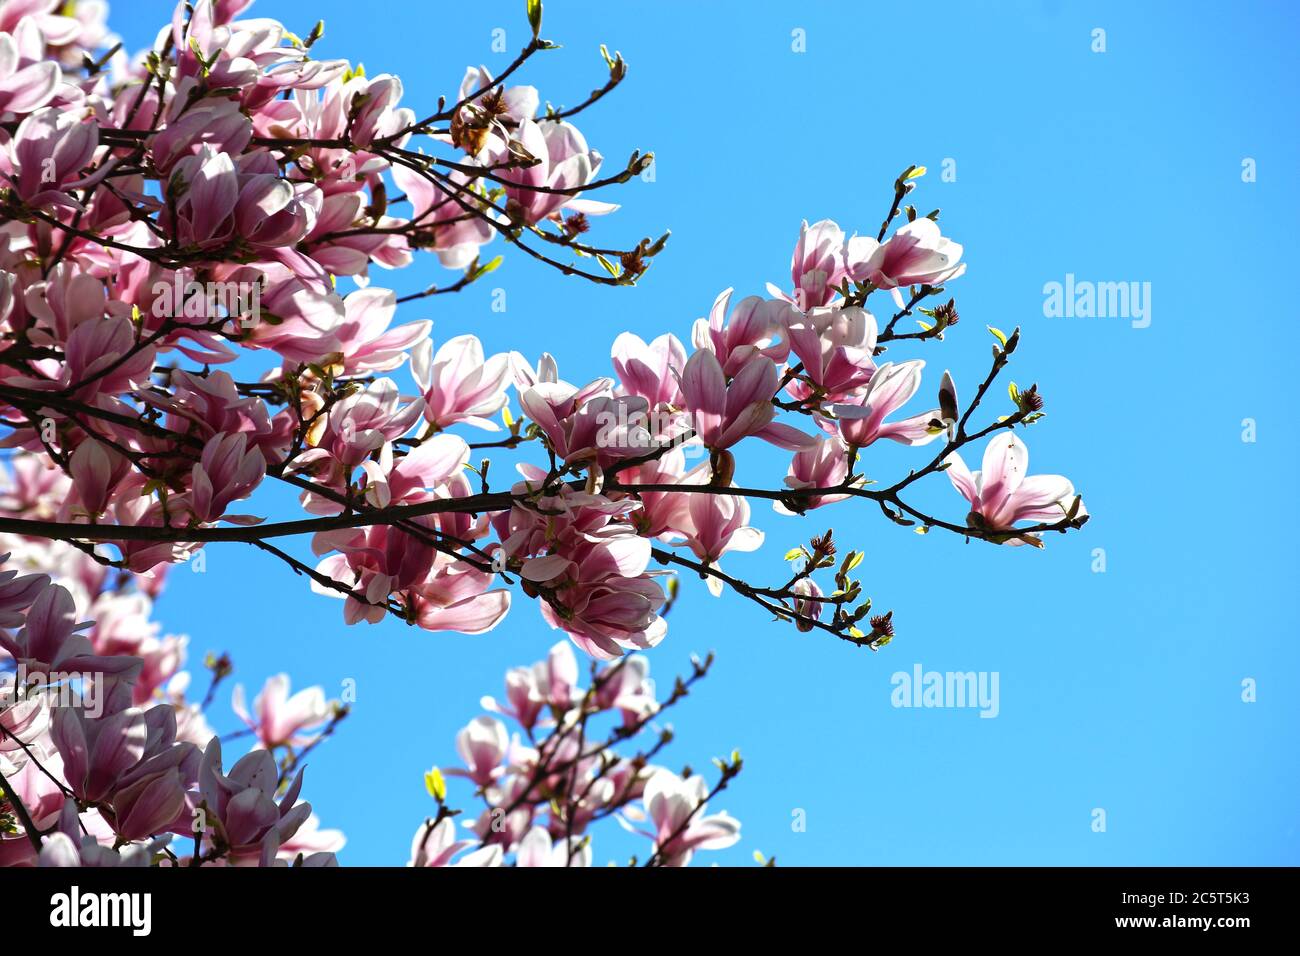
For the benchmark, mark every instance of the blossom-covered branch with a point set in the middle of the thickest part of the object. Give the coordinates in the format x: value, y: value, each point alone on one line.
x: 103, y: 761
x: 546, y: 788
x: 205, y: 201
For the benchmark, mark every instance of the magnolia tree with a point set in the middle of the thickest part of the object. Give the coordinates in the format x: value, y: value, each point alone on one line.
x: 179, y: 232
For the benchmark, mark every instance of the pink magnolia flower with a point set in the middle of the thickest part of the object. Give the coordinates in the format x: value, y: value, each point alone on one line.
x: 228, y: 471
x: 549, y: 683
x: 210, y: 405
x: 208, y: 186
x: 32, y: 485
x: 97, y: 752
x: 162, y: 658
x: 49, y: 17
x: 756, y: 327
x: 44, y: 800
x: 153, y: 802
x: 368, y: 344
x: 249, y: 55
x: 279, y: 719
x: 547, y: 370
x: 1000, y: 494
x: 347, y: 238
x: 915, y: 255
x: 510, y: 106
x: 219, y: 201
x: 723, y: 414
x: 628, y: 689
x: 603, y: 597
x: 96, y: 471
x: 143, y: 557
x: 273, y: 213
x: 25, y: 85
x: 567, y: 521
x: 373, y: 108
x: 172, y: 304
x: 890, y: 388
x: 483, y: 745
x: 677, y: 810
x: 422, y: 473
x: 819, y: 265
x: 662, y: 513
x: 274, y: 854
x: 497, y: 827
x: 603, y: 429
x: 26, y: 712
x: 459, y: 598
x: 381, y: 560
x: 51, y: 639
x: 806, y: 604
x: 650, y: 371
x: 96, y: 359
x: 436, y: 844
x: 216, y: 122
x: 458, y: 384
x: 597, y: 795
x: 122, y: 623
x: 537, y: 849
x: 69, y: 846
x: 361, y: 423
x: 586, y: 423
x: 230, y: 57
x: 823, y: 465
x: 565, y: 163
x: 17, y: 594
x: 49, y: 151
x: 123, y: 114
x: 240, y: 809
x: 64, y: 849
x: 718, y: 524
x: 191, y: 724
x: 61, y: 302
x: 441, y: 212
x: 519, y: 102
x: 836, y: 348
x: 342, y: 255
x: 305, y: 320
x: 293, y: 70
x: 310, y: 840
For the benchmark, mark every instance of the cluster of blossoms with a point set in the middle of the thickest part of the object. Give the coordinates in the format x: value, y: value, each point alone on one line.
x: 102, y: 763
x: 545, y: 787
x: 225, y: 196
x: 203, y: 200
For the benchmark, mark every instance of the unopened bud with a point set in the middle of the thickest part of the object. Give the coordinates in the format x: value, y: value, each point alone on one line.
x: 948, y: 398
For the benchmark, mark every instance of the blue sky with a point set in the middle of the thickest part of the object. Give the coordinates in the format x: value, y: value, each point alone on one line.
x: 1119, y: 690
